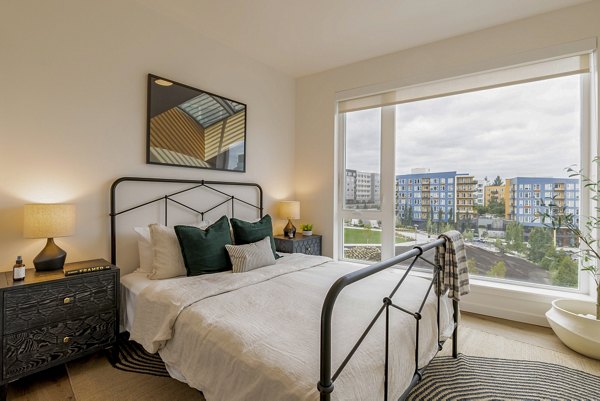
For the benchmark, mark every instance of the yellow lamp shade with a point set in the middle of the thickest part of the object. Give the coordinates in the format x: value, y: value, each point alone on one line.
x: 289, y: 209
x: 48, y: 220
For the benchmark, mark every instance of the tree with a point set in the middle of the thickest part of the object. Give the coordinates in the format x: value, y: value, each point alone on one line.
x: 468, y: 234
x: 540, y: 241
x: 409, y: 217
x: 500, y: 245
x: 429, y: 225
x: 438, y: 221
x: 446, y: 227
x: 498, y: 181
x: 481, y: 210
x: 496, y: 207
x: 549, y: 258
x: 498, y: 270
x: 564, y: 272
x: 367, y: 228
x: 515, y: 236
x: 557, y: 217
x: 472, y: 266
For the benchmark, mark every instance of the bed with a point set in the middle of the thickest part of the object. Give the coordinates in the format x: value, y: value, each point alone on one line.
x: 274, y: 334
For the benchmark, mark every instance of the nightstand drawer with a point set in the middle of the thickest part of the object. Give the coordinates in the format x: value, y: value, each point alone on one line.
x: 310, y: 245
x: 46, y: 346
x: 41, y: 305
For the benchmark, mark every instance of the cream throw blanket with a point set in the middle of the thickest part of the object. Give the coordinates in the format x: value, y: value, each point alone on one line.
x: 255, y: 335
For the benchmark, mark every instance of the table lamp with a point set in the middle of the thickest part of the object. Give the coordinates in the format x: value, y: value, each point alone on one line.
x: 49, y: 221
x: 289, y: 210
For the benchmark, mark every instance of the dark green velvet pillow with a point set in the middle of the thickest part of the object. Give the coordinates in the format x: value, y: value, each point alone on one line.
x: 204, y: 250
x: 245, y: 232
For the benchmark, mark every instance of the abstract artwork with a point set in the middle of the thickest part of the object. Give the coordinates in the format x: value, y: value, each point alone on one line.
x: 190, y: 127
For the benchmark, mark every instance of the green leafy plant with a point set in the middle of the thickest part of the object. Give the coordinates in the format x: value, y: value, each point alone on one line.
x: 556, y: 217
x: 307, y: 227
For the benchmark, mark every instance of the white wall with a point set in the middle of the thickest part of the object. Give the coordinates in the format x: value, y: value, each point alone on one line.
x: 73, y: 111
x: 479, y: 51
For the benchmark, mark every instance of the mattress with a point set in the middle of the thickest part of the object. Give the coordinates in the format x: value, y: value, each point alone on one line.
x: 256, y: 335
x: 132, y: 285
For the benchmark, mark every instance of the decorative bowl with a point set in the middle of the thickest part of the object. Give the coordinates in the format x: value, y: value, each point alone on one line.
x: 580, y: 333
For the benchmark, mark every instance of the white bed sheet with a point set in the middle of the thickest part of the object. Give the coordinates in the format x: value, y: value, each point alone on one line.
x: 203, y: 346
x: 132, y: 285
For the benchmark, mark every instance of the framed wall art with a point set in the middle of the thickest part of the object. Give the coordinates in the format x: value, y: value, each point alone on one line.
x: 189, y: 127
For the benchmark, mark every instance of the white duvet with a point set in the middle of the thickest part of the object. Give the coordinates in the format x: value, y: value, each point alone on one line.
x: 255, y: 335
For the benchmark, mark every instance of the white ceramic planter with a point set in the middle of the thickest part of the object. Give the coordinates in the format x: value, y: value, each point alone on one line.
x: 306, y: 233
x: 579, y: 333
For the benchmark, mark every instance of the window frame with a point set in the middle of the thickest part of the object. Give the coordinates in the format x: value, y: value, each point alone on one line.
x: 589, y: 147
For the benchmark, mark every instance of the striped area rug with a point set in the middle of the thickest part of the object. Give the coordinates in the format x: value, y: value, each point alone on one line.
x: 478, y: 378
x: 446, y: 378
x: 134, y: 358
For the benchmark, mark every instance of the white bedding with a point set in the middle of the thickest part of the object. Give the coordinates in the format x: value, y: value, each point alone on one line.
x: 255, y: 335
x: 131, y: 286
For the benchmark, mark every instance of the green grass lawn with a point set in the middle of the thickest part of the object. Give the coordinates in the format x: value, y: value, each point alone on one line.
x: 361, y: 236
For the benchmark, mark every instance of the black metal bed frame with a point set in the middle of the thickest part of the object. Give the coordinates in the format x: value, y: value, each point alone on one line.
x: 326, y: 382
x: 195, y: 184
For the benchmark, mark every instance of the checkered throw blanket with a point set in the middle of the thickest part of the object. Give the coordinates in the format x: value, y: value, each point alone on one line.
x: 452, y: 257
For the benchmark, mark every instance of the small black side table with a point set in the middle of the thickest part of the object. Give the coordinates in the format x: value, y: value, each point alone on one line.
x: 308, y: 244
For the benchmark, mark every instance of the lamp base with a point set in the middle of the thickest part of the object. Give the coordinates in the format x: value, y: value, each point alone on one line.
x: 289, y: 231
x: 52, y: 257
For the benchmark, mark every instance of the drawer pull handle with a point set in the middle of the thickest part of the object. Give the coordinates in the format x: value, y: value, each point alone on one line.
x: 66, y: 340
x: 67, y: 300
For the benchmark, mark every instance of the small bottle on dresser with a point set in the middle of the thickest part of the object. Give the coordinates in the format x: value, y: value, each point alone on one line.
x: 19, y: 270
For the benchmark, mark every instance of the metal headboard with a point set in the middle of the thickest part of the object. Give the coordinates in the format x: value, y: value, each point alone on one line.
x: 168, y: 197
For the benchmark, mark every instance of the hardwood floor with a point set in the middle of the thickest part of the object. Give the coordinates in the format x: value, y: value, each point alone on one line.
x: 52, y: 384
x: 81, y: 380
x: 535, y: 335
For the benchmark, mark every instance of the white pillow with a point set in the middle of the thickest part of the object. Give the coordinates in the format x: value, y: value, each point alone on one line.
x: 251, y: 256
x: 168, y: 261
x: 145, y: 249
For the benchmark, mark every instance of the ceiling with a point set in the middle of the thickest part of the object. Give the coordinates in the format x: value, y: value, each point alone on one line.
x: 301, y: 37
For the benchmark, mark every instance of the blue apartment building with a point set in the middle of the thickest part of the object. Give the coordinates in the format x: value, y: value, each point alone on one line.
x: 529, y: 194
x: 426, y: 195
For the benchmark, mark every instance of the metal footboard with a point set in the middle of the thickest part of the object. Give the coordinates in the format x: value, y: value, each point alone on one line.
x: 326, y: 381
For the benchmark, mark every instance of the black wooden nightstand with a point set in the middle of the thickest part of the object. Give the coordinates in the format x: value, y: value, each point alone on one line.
x: 310, y: 245
x: 49, y: 318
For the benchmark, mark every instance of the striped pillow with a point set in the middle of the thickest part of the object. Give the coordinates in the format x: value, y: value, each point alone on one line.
x: 251, y: 256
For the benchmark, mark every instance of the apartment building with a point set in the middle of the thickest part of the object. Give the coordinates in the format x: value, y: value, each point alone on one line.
x: 426, y: 195
x: 480, y: 193
x: 466, y: 188
x: 528, y: 195
x: 362, y: 187
x: 499, y: 193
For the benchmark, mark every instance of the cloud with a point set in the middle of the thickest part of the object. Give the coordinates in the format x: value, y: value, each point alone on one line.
x: 530, y: 129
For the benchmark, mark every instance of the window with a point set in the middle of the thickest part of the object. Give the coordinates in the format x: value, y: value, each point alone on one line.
x: 362, y: 166
x: 447, y: 144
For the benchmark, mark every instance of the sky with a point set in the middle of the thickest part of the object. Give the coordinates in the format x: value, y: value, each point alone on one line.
x: 530, y: 129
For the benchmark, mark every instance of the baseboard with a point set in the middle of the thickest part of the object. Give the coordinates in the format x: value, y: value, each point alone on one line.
x: 503, y: 313
x: 521, y: 304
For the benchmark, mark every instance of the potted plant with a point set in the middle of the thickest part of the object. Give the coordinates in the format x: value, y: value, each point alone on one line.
x: 577, y: 322
x: 307, y: 229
